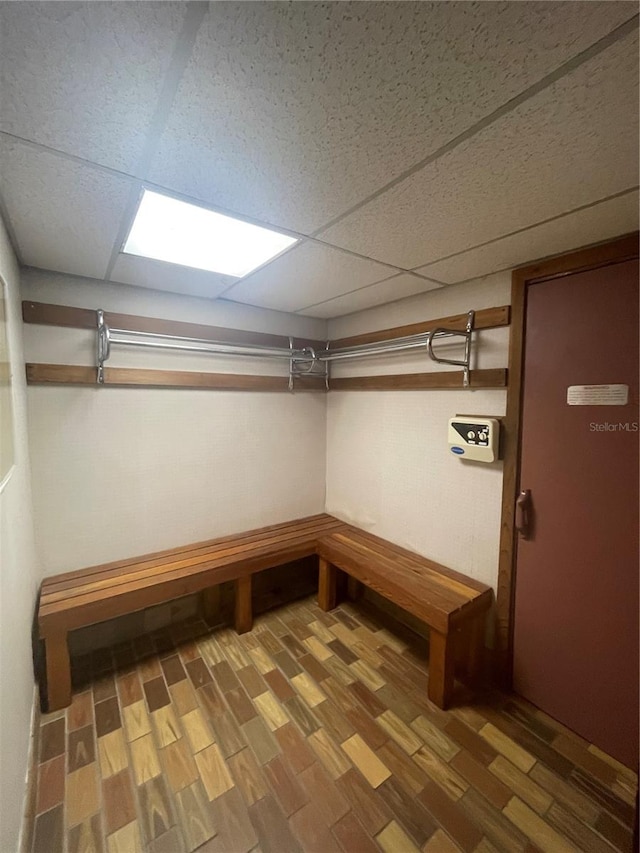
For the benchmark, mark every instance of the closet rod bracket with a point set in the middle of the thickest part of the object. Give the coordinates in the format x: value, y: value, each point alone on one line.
x: 465, y: 362
x: 103, y: 345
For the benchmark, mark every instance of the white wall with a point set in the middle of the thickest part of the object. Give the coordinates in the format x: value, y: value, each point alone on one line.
x: 389, y: 469
x: 119, y: 472
x: 19, y: 578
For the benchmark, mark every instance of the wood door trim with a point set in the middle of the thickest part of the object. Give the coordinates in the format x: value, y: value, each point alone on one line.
x: 613, y: 252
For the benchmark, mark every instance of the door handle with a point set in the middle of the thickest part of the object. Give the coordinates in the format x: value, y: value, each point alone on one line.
x: 523, y: 513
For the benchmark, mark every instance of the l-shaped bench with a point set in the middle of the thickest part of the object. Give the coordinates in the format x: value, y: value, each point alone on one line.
x: 452, y: 605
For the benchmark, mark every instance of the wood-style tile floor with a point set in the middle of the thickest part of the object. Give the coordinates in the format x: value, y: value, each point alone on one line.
x: 313, y: 732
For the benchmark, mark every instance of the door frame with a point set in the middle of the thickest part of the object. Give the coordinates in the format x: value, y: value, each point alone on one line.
x: 604, y: 254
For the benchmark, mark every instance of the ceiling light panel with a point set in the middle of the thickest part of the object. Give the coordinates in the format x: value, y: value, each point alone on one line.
x: 167, y: 229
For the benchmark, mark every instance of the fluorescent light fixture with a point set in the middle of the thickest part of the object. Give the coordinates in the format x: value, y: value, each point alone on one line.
x: 181, y: 233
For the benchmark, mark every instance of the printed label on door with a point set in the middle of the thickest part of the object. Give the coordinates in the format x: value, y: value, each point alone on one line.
x: 597, y: 395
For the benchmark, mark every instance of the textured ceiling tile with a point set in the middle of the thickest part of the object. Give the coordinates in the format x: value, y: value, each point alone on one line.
x: 575, y: 142
x: 85, y: 77
x: 394, y: 288
x: 294, y: 112
x: 65, y: 215
x: 145, y: 272
x: 307, y: 274
x: 595, y: 224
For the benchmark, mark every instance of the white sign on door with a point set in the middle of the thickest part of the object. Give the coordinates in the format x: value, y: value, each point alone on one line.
x: 597, y: 395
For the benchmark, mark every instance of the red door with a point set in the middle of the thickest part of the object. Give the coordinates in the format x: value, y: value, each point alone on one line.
x: 576, y: 593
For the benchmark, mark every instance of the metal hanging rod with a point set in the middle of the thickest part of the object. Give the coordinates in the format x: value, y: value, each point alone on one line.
x: 302, y: 362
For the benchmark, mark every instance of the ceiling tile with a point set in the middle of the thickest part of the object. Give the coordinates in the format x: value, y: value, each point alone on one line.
x: 307, y: 274
x: 294, y: 112
x: 65, y: 215
x: 85, y: 77
x: 573, y: 143
x: 145, y: 272
x: 404, y: 284
x: 595, y: 224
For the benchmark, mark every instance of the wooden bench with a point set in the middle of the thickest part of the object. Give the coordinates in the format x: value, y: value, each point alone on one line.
x: 451, y: 604
x: 80, y: 598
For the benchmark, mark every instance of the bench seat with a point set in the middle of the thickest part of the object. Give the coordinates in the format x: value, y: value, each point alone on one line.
x: 452, y: 605
x: 76, y: 599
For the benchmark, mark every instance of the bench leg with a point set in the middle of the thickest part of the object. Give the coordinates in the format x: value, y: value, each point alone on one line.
x: 474, y: 661
x: 243, y: 612
x: 210, y: 604
x: 327, y: 585
x: 355, y: 588
x: 58, y: 671
x: 441, y: 668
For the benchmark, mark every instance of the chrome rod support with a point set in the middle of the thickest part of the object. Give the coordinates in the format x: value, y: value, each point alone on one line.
x: 103, y: 345
x: 465, y: 362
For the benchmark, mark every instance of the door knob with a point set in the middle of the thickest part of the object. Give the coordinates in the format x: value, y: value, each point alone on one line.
x: 523, y: 513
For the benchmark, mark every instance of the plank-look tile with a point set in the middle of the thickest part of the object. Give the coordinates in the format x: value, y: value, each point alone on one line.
x: 235, y: 832
x: 463, y: 829
x: 170, y: 842
x: 352, y: 836
x: 248, y: 776
x: 183, y: 697
x: 521, y: 784
x: 561, y: 791
x: 364, y: 800
x: 287, y: 789
x: 399, y: 702
x: 617, y: 834
x: 227, y: 734
x: 537, y: 830
x: 440, y: 842
x: 409, y: 810
x: 323, y: 792
x: 367, y: 762
x: 251, y: 680
x: 80, y: 712
x: 52, y: 740
x: 127, y: 839
x: 165, y: 725
x: 315, y: 669
x: 197, y: 730
x: 272, y: 828
x: 136, y: 720
x: 261, y: 660
x: 522, y: 759
x: 50, y: 784
x: 113, y: 754
x: 339, y: 726
x: 495, y: 826
x: 178, y: 764
x: 333, y: 759
x: 104, y: 688
x: 602, y: 795
x: 119, y: 803
x: 268, y: 641
x: 367, y: 675
x: 402, y: 766
x: 399, y: 732
x: 129, y: 688
x: 432, y: 734
x: 294, y: 747
x: 150, y: 668
x: 368, y: 699
x: 278, y: 684
x: 312, y: 831
x: 262, y: 742
x: 394, y: 839
x: 48, y: 833
x: 156, y: 694
x: 308, y: 689
x: 213, y: 771
x: 441, y: 772
x: 145, y: 759
x: 198, y: 672
x: 82, y: 798
x: 340, y: 695
x: 173, y: 669
x: 470, y: 740
x: 156, y: 809
x: 271, y: 711
x: 86, y: 837
x: 583, y: 836
x: 478, y: 777
x: 194, y: 815
x: 301, y: 715
x: 224, y: 676
x: 317, y: 648
x: 242, y: 708
x: 321, y: 632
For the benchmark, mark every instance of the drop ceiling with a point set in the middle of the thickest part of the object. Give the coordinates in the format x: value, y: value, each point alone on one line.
x: 410, y: 146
